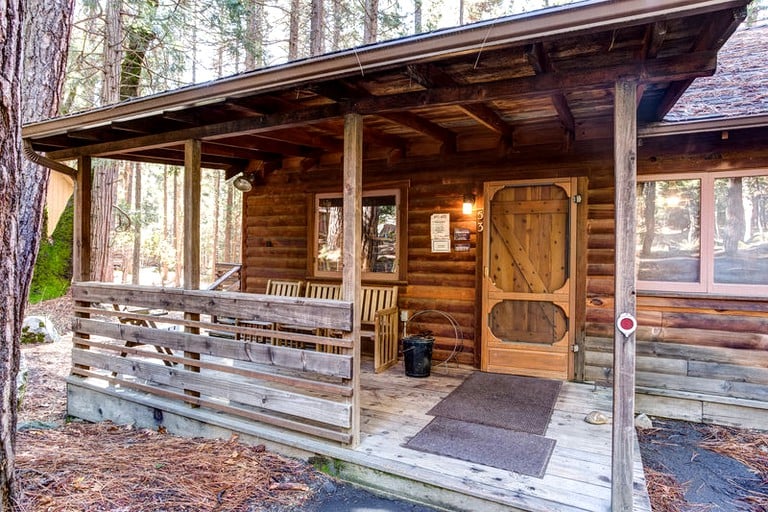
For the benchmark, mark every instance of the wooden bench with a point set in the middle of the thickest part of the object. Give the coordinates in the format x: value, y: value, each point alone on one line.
x: 279, y: 288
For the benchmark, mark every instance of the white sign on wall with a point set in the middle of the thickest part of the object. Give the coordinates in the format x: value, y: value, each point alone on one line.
x: 440, y: 232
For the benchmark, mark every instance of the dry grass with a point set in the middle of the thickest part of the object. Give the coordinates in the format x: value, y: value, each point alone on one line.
x: 104, y: 467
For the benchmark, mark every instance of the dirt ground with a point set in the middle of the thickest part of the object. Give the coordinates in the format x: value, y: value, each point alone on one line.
x: 77, y: 466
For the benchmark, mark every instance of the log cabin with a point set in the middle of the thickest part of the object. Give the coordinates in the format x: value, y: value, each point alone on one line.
x: 539, y: 189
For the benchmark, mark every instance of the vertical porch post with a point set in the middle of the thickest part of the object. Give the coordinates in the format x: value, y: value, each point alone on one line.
x: 81, y: 231
x: 625, y: 174
x: 353, y: 225
x: 81, y: 264
x: 192, y: 178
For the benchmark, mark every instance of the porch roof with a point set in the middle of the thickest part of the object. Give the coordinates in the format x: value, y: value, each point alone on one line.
x: 538, y: 78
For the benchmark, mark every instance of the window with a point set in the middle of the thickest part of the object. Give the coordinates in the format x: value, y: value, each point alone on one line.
x: 705, y: 232
x: 382, y: 235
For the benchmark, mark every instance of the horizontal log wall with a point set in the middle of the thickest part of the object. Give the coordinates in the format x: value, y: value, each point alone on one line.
x: 276, y: 224
x: 134, y: 337
x: 711, y: 348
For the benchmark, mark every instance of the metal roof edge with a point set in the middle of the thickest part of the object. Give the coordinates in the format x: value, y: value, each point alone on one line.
x: 602, y: 14
x: 664, y: 129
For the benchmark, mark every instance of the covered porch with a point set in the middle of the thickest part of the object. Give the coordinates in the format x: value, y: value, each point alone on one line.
x: 549, y: 100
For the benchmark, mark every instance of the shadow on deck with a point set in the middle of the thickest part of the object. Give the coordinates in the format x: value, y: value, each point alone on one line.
x: 393, y: 410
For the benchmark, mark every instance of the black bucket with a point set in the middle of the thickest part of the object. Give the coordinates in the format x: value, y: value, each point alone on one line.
x: 417, y: 355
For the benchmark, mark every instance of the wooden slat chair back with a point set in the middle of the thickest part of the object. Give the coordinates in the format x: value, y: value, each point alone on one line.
x: 284, y: 288
x: 323, y: 291
x: 379, y: 312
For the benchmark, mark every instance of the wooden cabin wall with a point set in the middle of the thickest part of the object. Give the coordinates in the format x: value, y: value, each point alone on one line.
x: 276, y: 224
x: 688, y: 346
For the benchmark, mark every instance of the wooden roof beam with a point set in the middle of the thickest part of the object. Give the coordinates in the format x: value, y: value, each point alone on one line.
x: 380, y: 138
x: 270, y: 145
x: 541, y: 64
x: 716, y: 32
x: 430, y: 76
x: 325, y: 143
x: 657, y: 70
x: 445, y: 136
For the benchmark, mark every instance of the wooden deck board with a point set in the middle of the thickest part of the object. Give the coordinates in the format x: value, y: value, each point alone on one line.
x: 578, y: 474
x: 394, y: 408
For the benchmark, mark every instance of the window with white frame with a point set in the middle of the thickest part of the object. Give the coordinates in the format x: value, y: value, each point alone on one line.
x: 703, y: 232
x: 381, y: 237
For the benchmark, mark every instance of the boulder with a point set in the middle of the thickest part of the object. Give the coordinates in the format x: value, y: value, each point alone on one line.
x: 38, y: 329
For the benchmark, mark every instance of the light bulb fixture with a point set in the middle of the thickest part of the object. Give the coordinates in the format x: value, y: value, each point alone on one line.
x: 467, y: 204
x: 244, y: 183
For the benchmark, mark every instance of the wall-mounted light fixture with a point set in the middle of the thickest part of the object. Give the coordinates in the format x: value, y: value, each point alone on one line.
x: 467, y: 204
x: 244, y: 182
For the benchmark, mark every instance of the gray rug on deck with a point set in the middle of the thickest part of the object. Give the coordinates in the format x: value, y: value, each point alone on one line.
x: 524, y: 404
x: 520, y: 452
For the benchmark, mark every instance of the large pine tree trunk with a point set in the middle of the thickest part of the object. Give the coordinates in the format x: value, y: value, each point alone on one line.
x: 136, y: 275
x: 254, y: 48
x: 10, y: 304
x: 371, y: 21
x: 293, y: 30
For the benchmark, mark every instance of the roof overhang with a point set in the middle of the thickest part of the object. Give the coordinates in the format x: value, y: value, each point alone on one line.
x: 553, y: 68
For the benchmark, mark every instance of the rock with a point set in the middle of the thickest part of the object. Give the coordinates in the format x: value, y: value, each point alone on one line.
x: 38, y: 329
x: 643, y: 421
x: 35, y: 425
x: 597, y: 418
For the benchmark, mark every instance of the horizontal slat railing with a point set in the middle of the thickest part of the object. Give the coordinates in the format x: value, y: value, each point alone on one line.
x: 137, y: 337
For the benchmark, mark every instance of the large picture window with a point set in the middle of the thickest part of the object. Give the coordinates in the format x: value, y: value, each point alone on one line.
x: 381, y: 235
x: 705, y: 232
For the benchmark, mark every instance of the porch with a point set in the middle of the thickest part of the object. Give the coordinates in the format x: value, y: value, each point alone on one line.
x: 299, y: 401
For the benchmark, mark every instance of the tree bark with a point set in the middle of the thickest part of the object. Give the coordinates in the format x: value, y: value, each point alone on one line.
x: 215, y: 234
x: 317, y: 28
x: 417, y: 27
x: 734, y: 217
x: 293, y: 30
x: 254, y: 34
x: 105, y: 172
x: 137, y: 222
x: 371, y: 21
x: 11, y: 16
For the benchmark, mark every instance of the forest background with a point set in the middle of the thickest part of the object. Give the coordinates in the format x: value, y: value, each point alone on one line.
x: 121, y: 49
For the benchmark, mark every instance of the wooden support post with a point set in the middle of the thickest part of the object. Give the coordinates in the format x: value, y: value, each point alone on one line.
x: 625, y: 174
x: 353, y: 225
x: 81, y: 264
x: 192, y: 179
x: 81, y: 255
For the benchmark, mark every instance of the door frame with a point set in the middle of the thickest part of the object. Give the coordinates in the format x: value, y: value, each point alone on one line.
x: 571, y: 186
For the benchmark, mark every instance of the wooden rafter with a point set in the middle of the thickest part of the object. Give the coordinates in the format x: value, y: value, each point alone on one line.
x: 658, y: 70
x: 445, y: 136
x: 430, y: 76
x: 269, y: 145
x: 541, y: 64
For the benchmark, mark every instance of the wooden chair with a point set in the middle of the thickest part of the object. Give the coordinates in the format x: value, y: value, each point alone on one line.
x: 282, y: 288
x: 328, y: 291
x: 379, y: 322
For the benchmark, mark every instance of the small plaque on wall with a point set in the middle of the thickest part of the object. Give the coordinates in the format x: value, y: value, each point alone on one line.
x: 443, y: 245
x: 461, y: 247
x: 461, y: 234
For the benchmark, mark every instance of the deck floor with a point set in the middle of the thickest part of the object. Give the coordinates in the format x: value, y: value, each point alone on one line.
x: 393, y: 410
x: 578, y: 475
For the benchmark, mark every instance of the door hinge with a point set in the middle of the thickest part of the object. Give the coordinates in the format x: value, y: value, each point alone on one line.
x: 577, y: 198
x: 575, y: 348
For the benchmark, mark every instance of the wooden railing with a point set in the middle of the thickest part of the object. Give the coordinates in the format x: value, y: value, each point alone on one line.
x: 137, y: 337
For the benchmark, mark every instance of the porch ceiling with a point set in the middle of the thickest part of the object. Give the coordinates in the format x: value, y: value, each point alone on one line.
x: 521, y: 81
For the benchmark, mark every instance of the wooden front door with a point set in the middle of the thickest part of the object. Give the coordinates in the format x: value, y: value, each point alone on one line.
x: 528, y: 297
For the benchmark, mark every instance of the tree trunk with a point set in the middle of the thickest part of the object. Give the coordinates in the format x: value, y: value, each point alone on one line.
x: 12, y: 305
x: 337, y: 16
x: 254, y: 35
x: 176, y: 233
x: 42, y: 82
x: 105, y: 172
x: 649, y: 199
x: 371, y: 21
x: 293, y: 30
x: 137, y: 222
x: 215, y: 234
x: 734, y: 217
x: 164, y: 244
x: 228, y: 226
x: 417, y: 27
x: 317, y: 28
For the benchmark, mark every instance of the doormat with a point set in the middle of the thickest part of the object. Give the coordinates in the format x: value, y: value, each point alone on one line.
x: 520, y: 452
x: 524, y: 404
